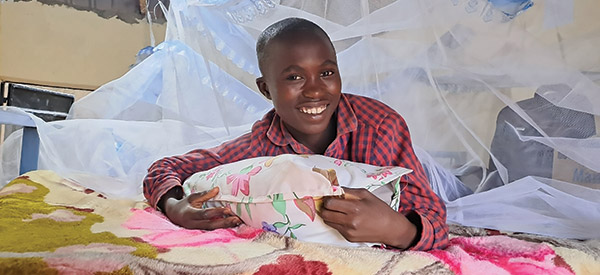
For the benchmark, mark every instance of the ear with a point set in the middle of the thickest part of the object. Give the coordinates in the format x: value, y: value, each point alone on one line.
x: 263, y: 88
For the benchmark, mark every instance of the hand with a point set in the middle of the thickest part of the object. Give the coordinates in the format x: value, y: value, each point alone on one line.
x: 362, y: 217
x: 186, y: 212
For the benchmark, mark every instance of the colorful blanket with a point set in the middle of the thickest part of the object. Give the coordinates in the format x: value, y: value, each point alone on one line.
x: 50, y: 225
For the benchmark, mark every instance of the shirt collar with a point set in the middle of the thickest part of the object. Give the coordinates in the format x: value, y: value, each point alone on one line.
x: 346, y: 123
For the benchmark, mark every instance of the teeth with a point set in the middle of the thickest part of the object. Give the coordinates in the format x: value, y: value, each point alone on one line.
x: 313, y: 110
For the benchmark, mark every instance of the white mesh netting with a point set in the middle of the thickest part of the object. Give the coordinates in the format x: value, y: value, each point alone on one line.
x: 501, y: 96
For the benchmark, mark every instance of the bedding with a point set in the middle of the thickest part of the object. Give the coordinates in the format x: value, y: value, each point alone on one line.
x: 283, y: 193
x: 50, y: 225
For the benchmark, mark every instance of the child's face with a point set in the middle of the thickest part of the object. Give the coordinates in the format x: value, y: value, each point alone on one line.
x: 301, y: 77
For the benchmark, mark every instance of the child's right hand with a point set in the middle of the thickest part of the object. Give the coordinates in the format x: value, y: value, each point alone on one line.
x: 188, y: 213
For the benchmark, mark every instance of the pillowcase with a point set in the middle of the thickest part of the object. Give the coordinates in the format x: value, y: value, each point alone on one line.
x: 283, y: 193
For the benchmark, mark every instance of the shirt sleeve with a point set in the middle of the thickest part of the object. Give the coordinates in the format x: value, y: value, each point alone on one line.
x: 170, y: 172
x: 394, y: 146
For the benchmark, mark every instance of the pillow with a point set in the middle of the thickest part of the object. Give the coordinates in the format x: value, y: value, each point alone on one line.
x: 283, y: 194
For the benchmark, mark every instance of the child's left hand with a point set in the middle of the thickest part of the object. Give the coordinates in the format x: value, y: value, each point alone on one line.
x: 366, y: 218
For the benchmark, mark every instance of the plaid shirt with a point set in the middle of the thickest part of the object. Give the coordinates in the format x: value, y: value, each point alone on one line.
x: 368, y: 131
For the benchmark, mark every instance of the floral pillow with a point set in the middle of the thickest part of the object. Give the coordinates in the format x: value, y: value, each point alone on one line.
x: 283, y: 193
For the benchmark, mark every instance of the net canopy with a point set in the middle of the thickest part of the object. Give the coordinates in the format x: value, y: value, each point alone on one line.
x: 502, y: 98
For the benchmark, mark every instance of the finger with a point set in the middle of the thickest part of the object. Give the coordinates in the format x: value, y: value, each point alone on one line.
x: 198, y: 199
x: 346, y: 232
x: 228, y: 212
x: 215, y: 213
x: 339, y: 227
x: 339, y: 204
x: 215, y: 224
x: 329, y: 216
x: 350, y: 196
x: 355, y: 193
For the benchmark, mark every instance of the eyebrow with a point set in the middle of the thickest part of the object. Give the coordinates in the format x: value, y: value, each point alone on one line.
x: 296, y: 67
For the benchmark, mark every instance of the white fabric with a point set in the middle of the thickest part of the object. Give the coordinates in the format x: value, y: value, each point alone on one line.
x: 492, y: 91
x: 285, y: 192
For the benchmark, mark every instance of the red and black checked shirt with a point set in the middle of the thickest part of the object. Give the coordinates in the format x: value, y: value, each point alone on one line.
x: 368, y: 131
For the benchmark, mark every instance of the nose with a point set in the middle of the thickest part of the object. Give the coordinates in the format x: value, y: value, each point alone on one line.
x: 313, y: 87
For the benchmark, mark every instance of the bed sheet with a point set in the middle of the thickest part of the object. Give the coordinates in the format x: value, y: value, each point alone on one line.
x: 50, y: 225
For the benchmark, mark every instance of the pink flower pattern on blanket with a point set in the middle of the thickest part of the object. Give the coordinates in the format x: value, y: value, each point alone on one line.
x: 68, y: 265
x: 500, y: 255
x: 165, y: 234
x: 82, y: 265
x: 17, y: 188
x: 59, y: 215
x: 241, y: 181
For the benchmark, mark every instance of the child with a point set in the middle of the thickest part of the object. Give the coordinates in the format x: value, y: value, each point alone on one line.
x: 311, y: 116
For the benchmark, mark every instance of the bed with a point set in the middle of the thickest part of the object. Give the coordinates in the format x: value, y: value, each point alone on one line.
x: 51, y: 225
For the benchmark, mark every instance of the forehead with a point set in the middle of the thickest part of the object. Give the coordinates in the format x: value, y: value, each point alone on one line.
x: 297, y: 46
x: 301, y: 33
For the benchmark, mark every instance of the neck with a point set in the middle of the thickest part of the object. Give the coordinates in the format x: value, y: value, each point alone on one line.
x: 319, y: 143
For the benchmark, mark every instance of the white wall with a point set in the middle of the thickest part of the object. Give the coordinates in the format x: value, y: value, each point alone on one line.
x: 62, y: 46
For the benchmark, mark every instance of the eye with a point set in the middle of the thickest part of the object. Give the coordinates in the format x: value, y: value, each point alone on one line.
x: 327, y: 73
x: 293, y: 77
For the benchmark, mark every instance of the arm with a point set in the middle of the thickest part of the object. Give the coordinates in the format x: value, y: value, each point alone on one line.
x: 162, y: 186
x: 168, y: 174
x: 421, y: 221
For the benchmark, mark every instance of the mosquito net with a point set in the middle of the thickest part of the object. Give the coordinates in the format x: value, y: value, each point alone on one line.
x: 501, y: 97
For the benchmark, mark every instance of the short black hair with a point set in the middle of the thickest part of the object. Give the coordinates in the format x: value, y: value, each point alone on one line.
x: 284, y: 26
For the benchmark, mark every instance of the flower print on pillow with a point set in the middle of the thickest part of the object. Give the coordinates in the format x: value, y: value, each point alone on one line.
x: 307, y: 205
x: 284, y: 193
x: 241, y: 181
x: 381, y: 173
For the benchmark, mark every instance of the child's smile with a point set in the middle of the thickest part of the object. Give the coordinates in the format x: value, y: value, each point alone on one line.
x: 313, y: 110
x: 315, y: 114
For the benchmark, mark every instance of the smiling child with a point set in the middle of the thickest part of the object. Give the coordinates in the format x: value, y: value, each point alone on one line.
x: 312, y: 116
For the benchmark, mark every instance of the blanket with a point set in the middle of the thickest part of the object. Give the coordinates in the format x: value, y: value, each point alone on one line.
x: 49, y: 225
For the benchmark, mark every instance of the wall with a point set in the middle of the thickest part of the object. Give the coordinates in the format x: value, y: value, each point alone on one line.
x: 62, y: 46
